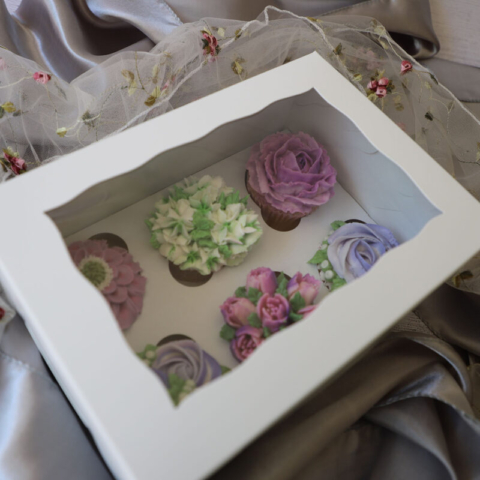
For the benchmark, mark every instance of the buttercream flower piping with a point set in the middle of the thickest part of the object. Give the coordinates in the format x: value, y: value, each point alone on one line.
x: 182, y: 366
x: 203, y: 225
x: 350, y: 250
x: 115, y: 274
x: 266, y: 305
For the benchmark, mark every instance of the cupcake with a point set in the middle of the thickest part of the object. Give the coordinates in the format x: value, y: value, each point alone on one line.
x: 350, y: 250
x: 201, y: 226
x: 113, y: 272
x: 268, y: 303
x: 182, y: 366
x: 288, y: 177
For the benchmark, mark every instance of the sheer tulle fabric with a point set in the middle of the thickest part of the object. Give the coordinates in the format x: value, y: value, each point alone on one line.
x: 43, y: 117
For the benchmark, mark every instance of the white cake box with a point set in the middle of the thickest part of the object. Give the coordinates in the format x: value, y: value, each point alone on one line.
x: 111, y: 186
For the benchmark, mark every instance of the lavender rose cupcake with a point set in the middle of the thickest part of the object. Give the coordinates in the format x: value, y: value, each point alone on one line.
x: 266, y: 304
x: 288, y: 177
x: 182, y: 366
x: 350, y: 250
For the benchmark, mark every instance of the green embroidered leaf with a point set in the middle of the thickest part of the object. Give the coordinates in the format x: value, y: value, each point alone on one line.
x: 9, y: 107
x: 227, y: 333
x: 254, y: 295
x: 337, y: 224
x: 154, y: 242
x: 254, y: 320
x: 2, y: 112
x: 297, y: 302
x: 282, y: 285
x: 198, y: 234
x: 61, y: 132
x: 241, y: 292
x: 206, y: 243
x: 429, y: 116
x: 338, y: 49
x: 225, y: 369
x: 130, y: 76
x: 318, y: 258
x: 434, y: 78
x: 266, y: 332
x: 358, y: 77
x: 176, y: 385
x: 225, y: 251
x: 295, y: 317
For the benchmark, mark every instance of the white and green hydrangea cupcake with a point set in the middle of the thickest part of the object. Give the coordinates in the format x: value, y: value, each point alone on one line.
x: 201, y: 226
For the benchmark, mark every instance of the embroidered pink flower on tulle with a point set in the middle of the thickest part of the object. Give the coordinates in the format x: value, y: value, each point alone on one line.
x: 210, y: 44
x: 115, y: 274
x: 3, y: 64
x: 16, y: 164
x: 41, y: 77
x: 380, y: 87
x: 372, y: 85
x: 381, y: 92
x: 406, y: 67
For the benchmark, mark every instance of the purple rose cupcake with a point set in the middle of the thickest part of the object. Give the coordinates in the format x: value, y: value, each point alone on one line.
x: 350, y: 250
x: 288, y: 177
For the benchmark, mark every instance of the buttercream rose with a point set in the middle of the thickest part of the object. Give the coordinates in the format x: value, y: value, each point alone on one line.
x: 355, y: 247
x: 262, y: 279
x: 306, y: 285
x: 292, y: 173
x: 246, y: 341
x: 273, y: 311
x: 235, y: 311
x: 186, y: 360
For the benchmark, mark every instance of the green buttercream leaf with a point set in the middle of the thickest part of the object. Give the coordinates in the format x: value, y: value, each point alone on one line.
x: 337, y: 224
x: 337, y: 282
x: 201, y: 222
x: 254, y: 320
x: 244, y: 200
x: 297, y: 302
x: 199, y: 234
x: 227, y: 333
x: 319, y: 257
x: 282, y: 285
x: 206, y: 243
x: 225, y: 369
x: 225, y: 251
x: 241, y: 292
x: 211, y: 262
x: 178, y: 193
x: 176, y: 385
x: 295, y: 317
x: 192, y: 257
x: 149, y: 223
x: 254, y: 295
x: 266, y: 332
x: 154, y: 242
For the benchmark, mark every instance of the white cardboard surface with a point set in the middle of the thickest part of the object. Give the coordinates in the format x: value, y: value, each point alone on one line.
x: 135, y: 425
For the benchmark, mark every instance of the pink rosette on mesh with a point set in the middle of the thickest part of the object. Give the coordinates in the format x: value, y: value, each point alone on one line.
x: 114, y: 272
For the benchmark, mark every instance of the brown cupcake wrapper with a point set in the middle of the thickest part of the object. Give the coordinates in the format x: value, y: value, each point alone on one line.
x: 282, y: 221
x: 188, y: 277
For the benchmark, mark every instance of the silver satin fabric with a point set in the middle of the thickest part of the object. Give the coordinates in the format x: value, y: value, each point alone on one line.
x: 406, y: 409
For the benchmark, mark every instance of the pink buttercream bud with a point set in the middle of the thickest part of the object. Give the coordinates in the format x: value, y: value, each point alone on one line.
x: 263, y: 279
x: 235, y: 311
x: 273, y: 311
x: 307, y: 286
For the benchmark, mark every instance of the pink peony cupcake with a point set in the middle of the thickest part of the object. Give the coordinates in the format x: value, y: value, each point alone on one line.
x: 288, y: 177
x: 115, y: 274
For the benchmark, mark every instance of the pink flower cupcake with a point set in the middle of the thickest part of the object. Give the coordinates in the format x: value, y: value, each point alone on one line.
x: 267, y: 304
x: 115, y: 274
x: 288, y: 177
